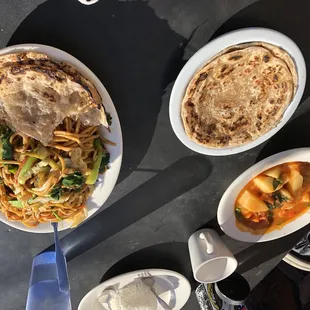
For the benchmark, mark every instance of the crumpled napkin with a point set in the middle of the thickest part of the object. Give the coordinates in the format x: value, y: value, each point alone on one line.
x: 303, y: 246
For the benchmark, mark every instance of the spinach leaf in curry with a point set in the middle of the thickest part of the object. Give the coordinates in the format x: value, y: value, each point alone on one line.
x: 238, y: 214
x: 276, y: 183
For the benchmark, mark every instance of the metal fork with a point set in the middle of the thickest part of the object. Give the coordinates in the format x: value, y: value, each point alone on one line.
x: 148, y: 280
x: 61, y: 263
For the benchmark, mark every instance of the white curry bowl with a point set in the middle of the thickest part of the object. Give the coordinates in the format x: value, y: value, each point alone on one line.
x: 201, y: 57
x: 226, y: 215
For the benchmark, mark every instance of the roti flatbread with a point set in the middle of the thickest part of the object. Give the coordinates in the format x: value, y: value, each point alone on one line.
x: 240, y: 94
x: 37, y: 93
x: 37, y: 99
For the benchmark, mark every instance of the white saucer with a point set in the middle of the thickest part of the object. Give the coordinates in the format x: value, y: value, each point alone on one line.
x: 171, y: 286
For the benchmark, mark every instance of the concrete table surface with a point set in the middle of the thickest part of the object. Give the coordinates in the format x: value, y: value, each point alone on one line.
x: 165, y: 192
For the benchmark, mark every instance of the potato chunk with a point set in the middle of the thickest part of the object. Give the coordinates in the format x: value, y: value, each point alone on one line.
x: 252, y: 203
x: 295, y: 182
x: 273, y: 172
x: 266, y: 184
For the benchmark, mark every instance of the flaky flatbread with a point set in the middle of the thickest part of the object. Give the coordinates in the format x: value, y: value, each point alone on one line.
x: 37, y: 93
x: 37, y: 99
x: 240, y: 94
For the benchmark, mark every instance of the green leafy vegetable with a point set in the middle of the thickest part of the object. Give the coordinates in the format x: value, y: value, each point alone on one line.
x: 238, y: 214
x: 71, y: 182
x: 13, y: 168
x: 278, y: 197
x: 104, y: 162
x: 269, y: 205
x: 109, y: 119
x: 276, y: 183
x: 74, y: 179
x: 6, y: 147
x: 16, y: 204
x: 270, y: 217
x: 57, y: 216
x: 56, y: 192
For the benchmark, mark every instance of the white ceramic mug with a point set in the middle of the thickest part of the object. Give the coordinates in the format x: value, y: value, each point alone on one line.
x: 211, y: 260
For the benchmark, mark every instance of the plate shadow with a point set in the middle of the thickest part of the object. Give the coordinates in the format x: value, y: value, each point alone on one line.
x: 290, y: 18
x: 293, y: 135
x: 148, y: 197
x: 122, y: 43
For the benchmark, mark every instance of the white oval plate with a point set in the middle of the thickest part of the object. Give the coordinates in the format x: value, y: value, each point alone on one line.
x: 107, y: 181
x: 175, y: 288
x: 201, y: 58
x: 225, y: 212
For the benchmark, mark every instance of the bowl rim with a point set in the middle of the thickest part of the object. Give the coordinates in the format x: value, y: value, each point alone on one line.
x: 201, y: 57
x: 225, y: 212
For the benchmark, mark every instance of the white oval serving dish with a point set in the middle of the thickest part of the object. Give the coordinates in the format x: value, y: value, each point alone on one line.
x: 201, y: 57
x: 225, y: 212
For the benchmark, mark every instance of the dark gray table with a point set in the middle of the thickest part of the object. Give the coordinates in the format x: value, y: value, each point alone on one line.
x: 165, y: 192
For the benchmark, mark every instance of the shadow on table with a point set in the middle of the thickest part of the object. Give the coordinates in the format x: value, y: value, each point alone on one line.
x: 133, y: 52
x: 293, y: 135
x: 168, y: 184
x: 172, y: 256
x: 259, y: 253
x: 212, y: 224
x: 288, y: 17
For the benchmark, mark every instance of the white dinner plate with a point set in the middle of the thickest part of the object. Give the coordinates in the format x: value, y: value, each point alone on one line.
x: 201, y: 58
x: 225, y: 212
x: 106, y: 181
x: 171, y: 286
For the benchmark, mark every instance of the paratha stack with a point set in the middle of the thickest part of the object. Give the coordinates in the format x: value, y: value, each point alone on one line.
x: 240, y: 94
x: 37, y: 93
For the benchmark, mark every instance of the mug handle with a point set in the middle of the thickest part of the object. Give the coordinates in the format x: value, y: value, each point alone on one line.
x: 209, y: 245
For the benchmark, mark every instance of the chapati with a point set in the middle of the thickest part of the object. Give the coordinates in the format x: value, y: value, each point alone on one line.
x: 37, y: 93
x: 240, y: 94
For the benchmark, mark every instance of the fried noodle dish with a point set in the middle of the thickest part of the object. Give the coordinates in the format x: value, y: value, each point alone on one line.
x: 49, y: 184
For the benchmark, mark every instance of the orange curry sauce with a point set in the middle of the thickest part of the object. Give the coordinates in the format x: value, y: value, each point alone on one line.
x: 281, y: 210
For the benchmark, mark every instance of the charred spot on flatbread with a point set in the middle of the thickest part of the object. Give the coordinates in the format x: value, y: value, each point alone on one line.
x: 235, y: 57
x: 266, y: 58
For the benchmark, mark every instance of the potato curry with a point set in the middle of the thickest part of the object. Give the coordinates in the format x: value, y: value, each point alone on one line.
x: 274, y: 198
